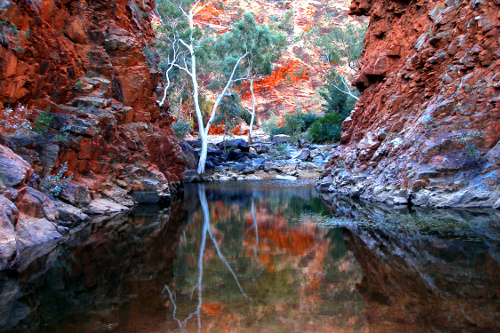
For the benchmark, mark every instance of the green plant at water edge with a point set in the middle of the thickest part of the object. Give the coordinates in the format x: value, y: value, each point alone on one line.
x: 181, y: 128
x: 54, y: 184
x: 326, y: 128
x: 42, y: 122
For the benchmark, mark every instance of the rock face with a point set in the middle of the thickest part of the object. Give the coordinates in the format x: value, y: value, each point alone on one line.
x: 82, y: 69
x: 27, y: 216
x: 426, y: 128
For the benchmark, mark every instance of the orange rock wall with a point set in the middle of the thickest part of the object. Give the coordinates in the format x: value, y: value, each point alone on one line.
x: 87, y: 63
x: 426, y: 127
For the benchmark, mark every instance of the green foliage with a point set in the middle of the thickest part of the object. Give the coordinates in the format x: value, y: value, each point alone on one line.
x: 294, y: 124
x: 42, y: 122
x: 342, y: 45
x: 54, y: 184
x: 326, y: 128
x: 230, y: 112
x: 246, y: 116
x: 181, y: 128
x: 271, y: 125
x: 336, y: 101
x: 286, y: 23
x: 298, y: 122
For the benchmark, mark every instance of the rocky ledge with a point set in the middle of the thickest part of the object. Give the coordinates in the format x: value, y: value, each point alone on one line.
x: 265, y: 159
x: 426, y: 128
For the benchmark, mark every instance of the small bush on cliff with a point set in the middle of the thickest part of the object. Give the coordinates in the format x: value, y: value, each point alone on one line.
x: 15, y: 121
x: 54, y: 184
x: 326, y: 128
x: 42, y: 122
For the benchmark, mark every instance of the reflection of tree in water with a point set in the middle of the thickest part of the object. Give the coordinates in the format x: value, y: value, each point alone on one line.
x: 273, y: 259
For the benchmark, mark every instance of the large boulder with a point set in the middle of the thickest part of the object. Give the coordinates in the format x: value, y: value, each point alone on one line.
x: 240, y: 144
x: 8, y: 242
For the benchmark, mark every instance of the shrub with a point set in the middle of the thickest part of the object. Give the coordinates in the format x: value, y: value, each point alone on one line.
x: 54, y: 184
x: 42, y: 122
x: 326, y: 128
x: 271, y: 125
x: 181, y: 128
x: 15, y: 121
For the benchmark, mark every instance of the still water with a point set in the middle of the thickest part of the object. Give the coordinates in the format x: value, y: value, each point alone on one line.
x: 263, y: 257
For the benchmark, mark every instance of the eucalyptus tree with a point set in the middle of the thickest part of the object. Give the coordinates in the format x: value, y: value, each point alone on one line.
x: 268, y: 48
x: 188, y: 51
x: 340, y: 47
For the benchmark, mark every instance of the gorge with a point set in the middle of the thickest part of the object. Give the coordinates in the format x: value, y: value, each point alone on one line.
x: 92, y: 178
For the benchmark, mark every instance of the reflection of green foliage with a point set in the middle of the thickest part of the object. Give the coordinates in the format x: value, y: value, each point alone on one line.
x: 298, y: 206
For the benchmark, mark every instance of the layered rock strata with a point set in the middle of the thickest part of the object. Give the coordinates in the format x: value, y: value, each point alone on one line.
x: 426, y: 128
x: 78, y: 87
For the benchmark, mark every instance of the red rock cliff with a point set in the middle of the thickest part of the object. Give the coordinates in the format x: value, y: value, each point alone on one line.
x: 426, y: 128
x: 86, y: 63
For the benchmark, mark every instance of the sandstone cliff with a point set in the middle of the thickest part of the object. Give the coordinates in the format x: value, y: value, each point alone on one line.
x: 85, y: 74
x: 427, y: 126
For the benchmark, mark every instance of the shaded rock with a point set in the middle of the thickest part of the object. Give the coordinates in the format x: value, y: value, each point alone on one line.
x: 37, y: 204
x: 70, y: 215
x: 33, y: 231
x: 235, y: 155
x: 433, y: 150
x: 119, y: 195
x: 14, y: 171
x: 8, y: 243
x: 261, y: 148
x: 240, y: 144
x: 280, y: 138
x: 303, y: 154
x: 104, y: 207
x: 77, y: 195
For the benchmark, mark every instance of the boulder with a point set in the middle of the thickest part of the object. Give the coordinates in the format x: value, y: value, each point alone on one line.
x: 14, y: 171
x: 280, y: 138
x: 189, y: 155
x: 240, y: 144
x: 8, y: 242
x: 104, y: 207
x: 70, y: 215
x: 33, y: 231
x: 37, y: 204
x: 303, y: 155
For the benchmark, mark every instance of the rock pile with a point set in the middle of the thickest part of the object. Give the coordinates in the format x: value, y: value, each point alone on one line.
x: 264, y: 159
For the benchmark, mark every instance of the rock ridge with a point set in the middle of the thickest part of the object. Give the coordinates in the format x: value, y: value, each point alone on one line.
x: 426, y: 128
x: 78, y: 85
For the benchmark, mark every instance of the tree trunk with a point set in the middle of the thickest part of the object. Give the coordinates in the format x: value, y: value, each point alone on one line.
x: 250, y: 132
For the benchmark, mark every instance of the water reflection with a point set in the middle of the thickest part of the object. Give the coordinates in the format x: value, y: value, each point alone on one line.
x: 262, y: 258
x: 251, y: 260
